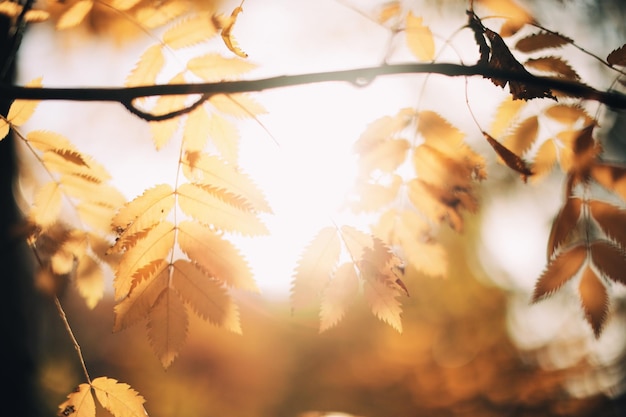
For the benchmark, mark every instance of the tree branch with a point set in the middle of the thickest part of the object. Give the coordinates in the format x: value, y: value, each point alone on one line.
x: 358, y: 76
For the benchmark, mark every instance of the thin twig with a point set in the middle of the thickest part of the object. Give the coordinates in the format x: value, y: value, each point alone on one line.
x: 127, y: 95
x: 57, y: 303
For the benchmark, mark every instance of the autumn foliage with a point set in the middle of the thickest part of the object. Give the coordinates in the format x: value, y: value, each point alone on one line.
x: 419, y: 174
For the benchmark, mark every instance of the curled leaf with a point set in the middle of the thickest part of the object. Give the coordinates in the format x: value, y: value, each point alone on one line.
x: 510, y: 159
x: 227, y: 35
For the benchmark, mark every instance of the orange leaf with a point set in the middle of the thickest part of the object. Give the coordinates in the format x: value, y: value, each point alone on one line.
x: 564, y: 224
x: 382, y: 299
x: 523, y: 136
x: 611, y: 177
x: 510, y: 159
x: 595, y: 300
x: 612, y: 220
x: 74, y: 15
x: 560, y: 270
x: 227, y: 35
x: 554, y: 65
x: 505, y: 115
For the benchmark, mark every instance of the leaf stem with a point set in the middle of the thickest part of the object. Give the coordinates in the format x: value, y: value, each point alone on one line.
x: 57, y: 303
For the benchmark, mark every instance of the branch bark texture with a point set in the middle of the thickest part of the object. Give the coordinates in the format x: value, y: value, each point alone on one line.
x: 357, y: 76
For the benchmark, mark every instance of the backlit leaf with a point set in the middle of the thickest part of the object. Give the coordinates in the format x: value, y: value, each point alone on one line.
x: 124, y: 4
x: 611, y: 177
x: 542, y: 40
x: 356, y: 241
x: 167, y: 326
x: 505, y: 115
x: 213, y: 171
x: 136, y: 306
x: 46, y: 205
x: 160, y: 13
x: 386, y: 156
x: 544, y: 160
x: 594, y: 299
x: 148, y: 67
x: 216, y: 255
x: 315, y: 268
x: 75, y: 14
x: 212, y: 207
x: 227, y: 36
x: 523, y: 136
x: 79, y: 403
x: 195, y: 132
x: 118, y: 398
x: 214, y: 67
x: 617, y: 56
x: 568, y: 114
x: 553, y: 65
x: 90, y: 280
x: 225, y: 137
x: 427, y: 198
x: 206, y: 296
x: 560, y: 270
x: 612, y: 220
x: 383, y: 301
x: 425, y: 255
x: 610, y: 260
x: 383, y: 129
x: 145, y: 210
x: 438, y: 132
x: 190, y: 31
x: 154, y: 246
x: 338, y: 295
x: 20, y: 111
x: 437, y: 168
x: 419, y: 38
x: 372, y: 197
x: 564, y: 224
x: 239, y: 105
x: 517, y: 15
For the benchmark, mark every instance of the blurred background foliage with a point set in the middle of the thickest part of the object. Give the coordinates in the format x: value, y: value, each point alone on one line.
x: 462, y: 352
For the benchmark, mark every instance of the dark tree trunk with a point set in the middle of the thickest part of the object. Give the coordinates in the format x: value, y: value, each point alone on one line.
x: 18, y: 311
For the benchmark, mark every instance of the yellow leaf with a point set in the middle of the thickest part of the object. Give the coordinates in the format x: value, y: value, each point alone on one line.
x: 610, y: 260
x: 154, y: 246
x: 97, y: 216
x: 435, y: 167
x: 388, y: 11
x: 383, y: 129
x: 46, y: 205
x: 213, y: 171
x: 136, y: 306
x: 145, y: 210
x: 419, y: 38
x: 214, y: 67
x: 167, y: 326
x: 517, y: 15
x: 207, y: 296
x: 425, y: 255
x: 148, y: 68
x: 523, y: 136
x: 160, y: 13
x: 372, y: 197
x: 314, y: 268
x: 356, y: 241
x: 595, y: 300
x: 36, y: 16
x: 383, y: 302
x: 162, y: 131
x: 338, y: 295
x: 544, y: 160
x: 386, y: 156
x: 10, y: 9
x: 240, y: 105
x: 90, y: 280
x: 79, y: 403
x: 560, y: 270
x: 118, y: 398
x: 225, y: 137
x: 123, y: 5
x: 505, y: 115
x: 190, y: 31
x: 435, y: 130
x: 427, y: 198
x: 227, y: 36
x: 195, y: 132
x: 48, y: 141
x: 215, y: 255
x: 214, y: 207
x: 74, y: 15
x: 21, y: 110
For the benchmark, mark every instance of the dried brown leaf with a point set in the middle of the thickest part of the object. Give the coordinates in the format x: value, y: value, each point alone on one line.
x: 512, y: 160
x: 617, y: 56
x: 611, y: 177
x: 541, y: 40
x: 564, y: 223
